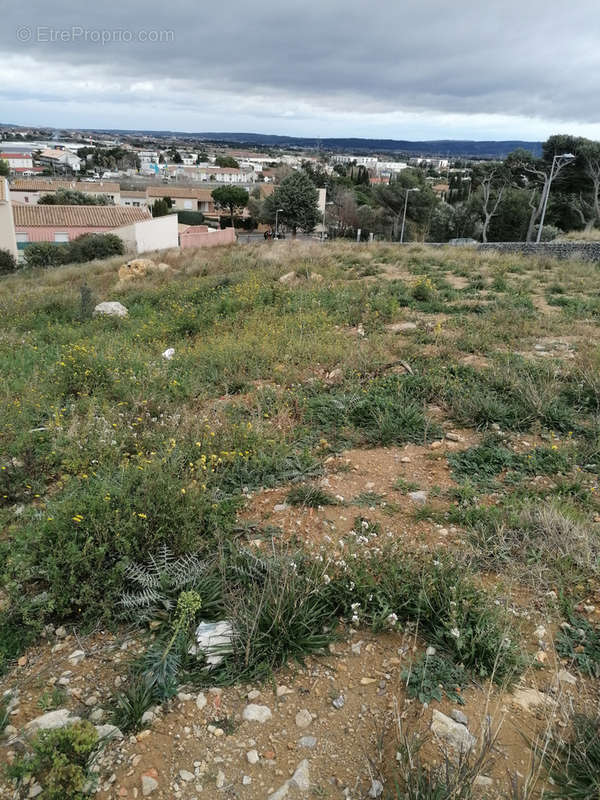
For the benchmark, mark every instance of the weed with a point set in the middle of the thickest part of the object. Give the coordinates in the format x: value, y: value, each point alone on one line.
x: 404, y: 486
x: 575, y: 765
x: 579, y: 641
x: 432, y: 676
x: 310, y: 496
x: 368, y: 499
x: 50, y: 699
x: 59, y: 761
x: 130, y: 705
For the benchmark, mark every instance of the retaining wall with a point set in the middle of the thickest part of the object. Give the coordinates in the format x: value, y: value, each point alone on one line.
x: 588, y: 251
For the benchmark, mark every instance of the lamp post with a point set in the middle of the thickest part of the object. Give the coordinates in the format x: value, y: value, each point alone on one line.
x: 276, y: 228
x: 564, y: 158
x: 328, y: 203
x: 414, y: 189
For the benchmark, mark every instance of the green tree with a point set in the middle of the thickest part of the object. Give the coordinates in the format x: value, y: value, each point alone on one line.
x: 230, y: 198
x: 70, y: 197
x: 297, y: 197
x: 8, y: 262
x: 4, y: 168
x: 160, y: 207
x: 226, y: 161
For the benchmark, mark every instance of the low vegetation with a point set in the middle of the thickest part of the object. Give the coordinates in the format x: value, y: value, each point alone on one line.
x: 128, y: 480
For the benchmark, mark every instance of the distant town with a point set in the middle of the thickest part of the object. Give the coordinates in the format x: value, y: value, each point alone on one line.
x: 158, y: 190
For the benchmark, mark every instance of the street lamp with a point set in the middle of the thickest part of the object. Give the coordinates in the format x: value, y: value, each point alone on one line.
x: 276, y: 228
x: 567, y: 158
x: 414, y: 189
x: 328, y: 203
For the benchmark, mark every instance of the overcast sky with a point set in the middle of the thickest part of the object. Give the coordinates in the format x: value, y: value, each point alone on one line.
x: 403, y: 69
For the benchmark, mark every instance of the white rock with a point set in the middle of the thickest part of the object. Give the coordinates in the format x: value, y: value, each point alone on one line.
x: 186, y: 776
x: 110, y: 309
x: 289, y: 277
x: 528, y: 699
x: 220, y: 783
x: 169, y: 353
x: 282, y: 792
x: 108, y: 732
x: 307, y: 741
x: 303, y: 718
x: 483, y: 780
x: 35, y: 790
x: 253, y: 694
x: 213, y: 639
x: 453, y: 733
x: 419, y: 497
x: 459, y: 717
x: 566, y: 677
x: 147, y: 718
x: 76, y: 657
x: 246, y: 780
x: 280, y: 507
x: 97, y: 715
x: 149, y: 785
x: 201, y: 701
x: 60, y: 633
x: 283, y: 690
x: 539, y: 632
x: 252, y: 756
x: 376, y: 789
x: 301, y: 777
x: 52, y: 720
x: 254, y: 713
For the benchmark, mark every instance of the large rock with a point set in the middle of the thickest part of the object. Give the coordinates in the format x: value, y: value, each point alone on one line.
x: 108, y: 732
x: 452, y: 733
x: 52, y: 720
x: 137, y: 268
x: 531, y: 698
x: 110, y: 309
x: 299, y: 782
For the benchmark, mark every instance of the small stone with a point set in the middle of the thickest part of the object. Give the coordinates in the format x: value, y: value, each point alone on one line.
x: 566, y: 677
x: 10, y: 731
x: 283, y: 690
x: 376, y: 789
x: 405, y: 460
x: 301, y: 777
x: 454, y: 437
x: 97, y: 715
x: 35, y: 790
x: 539, y: 632
x: 483, y: 781
x: 246, y: 780
x: 91, y: 701
x: 435, y: 445
x: 367, y: 681
x: 184, y: 697
x: 430, y: 651
x: 149, y: 784
x: 280, y: 507
x: 458, y: 716
x: 186, y: 776
x: 419, y: 497
x: 252, y: 757
x: 220, y: 782
x: 147, y: 718
x: 60, y: 633
x: 200, y: 701
x: 339, y: 701
x: 453, y: 733
x: 303, y: 718
x: 76, y: 657
x: 254, y: 713
x: 108, y: 732
x: 307, y: 741
x: 253, y: 694
x: 22, y: 662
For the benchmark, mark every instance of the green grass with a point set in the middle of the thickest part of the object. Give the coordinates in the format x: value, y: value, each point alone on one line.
x: 310, y: 496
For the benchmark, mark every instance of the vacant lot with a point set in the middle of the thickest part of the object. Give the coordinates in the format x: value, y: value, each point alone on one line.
x: 381, y: 471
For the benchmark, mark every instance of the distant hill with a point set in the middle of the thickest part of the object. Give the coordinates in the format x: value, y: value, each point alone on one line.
x: 440, y: 147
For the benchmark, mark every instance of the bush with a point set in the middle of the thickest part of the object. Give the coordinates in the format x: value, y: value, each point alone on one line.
x: 190, y: 217
x: 59, y: 762
x: 45, y: 254
x: 94, y: 245
x: 84, y: 248
x: 8, y: 262
x: 575, y: 766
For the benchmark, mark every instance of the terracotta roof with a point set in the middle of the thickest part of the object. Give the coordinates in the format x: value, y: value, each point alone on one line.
x: 179, y: 191
x: 41, y: 185
x: 78, y: 216
x: 16, y: 155
x: 128, y: 193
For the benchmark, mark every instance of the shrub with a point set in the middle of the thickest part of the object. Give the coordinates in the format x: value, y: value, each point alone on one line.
x: 190, y: 217
x: 94, y: 245
x: 310, y: 496
x: 8, y: 262
x: 59, y: 761
x: 579, y: 641
x: 45, y: 254
x: 432, y: 676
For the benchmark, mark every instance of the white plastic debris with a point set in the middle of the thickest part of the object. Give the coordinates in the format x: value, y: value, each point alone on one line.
x: 213, y: 640
x: 169, y: 353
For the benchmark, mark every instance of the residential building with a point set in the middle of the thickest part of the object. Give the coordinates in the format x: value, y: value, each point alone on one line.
x: 204, y: 173
x: 184, y: 198
x: 30, y: 191
x: 132, y: 198
x: 18, y: 162
x: 60, y: 159
x: 156, y: 233
x: 8, y: 240
x: 60, y: 224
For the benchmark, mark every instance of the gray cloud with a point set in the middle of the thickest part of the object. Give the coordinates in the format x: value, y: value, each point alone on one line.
x: 311, y: 61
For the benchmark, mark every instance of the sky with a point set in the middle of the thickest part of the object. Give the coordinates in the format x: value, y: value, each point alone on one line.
x: 401, y: 69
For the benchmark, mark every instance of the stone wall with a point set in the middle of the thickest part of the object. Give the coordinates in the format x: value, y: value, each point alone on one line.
x: 588, y: 251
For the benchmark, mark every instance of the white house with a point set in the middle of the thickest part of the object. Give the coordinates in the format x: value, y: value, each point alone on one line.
x: 60, y: 159
x: 18, y: 161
